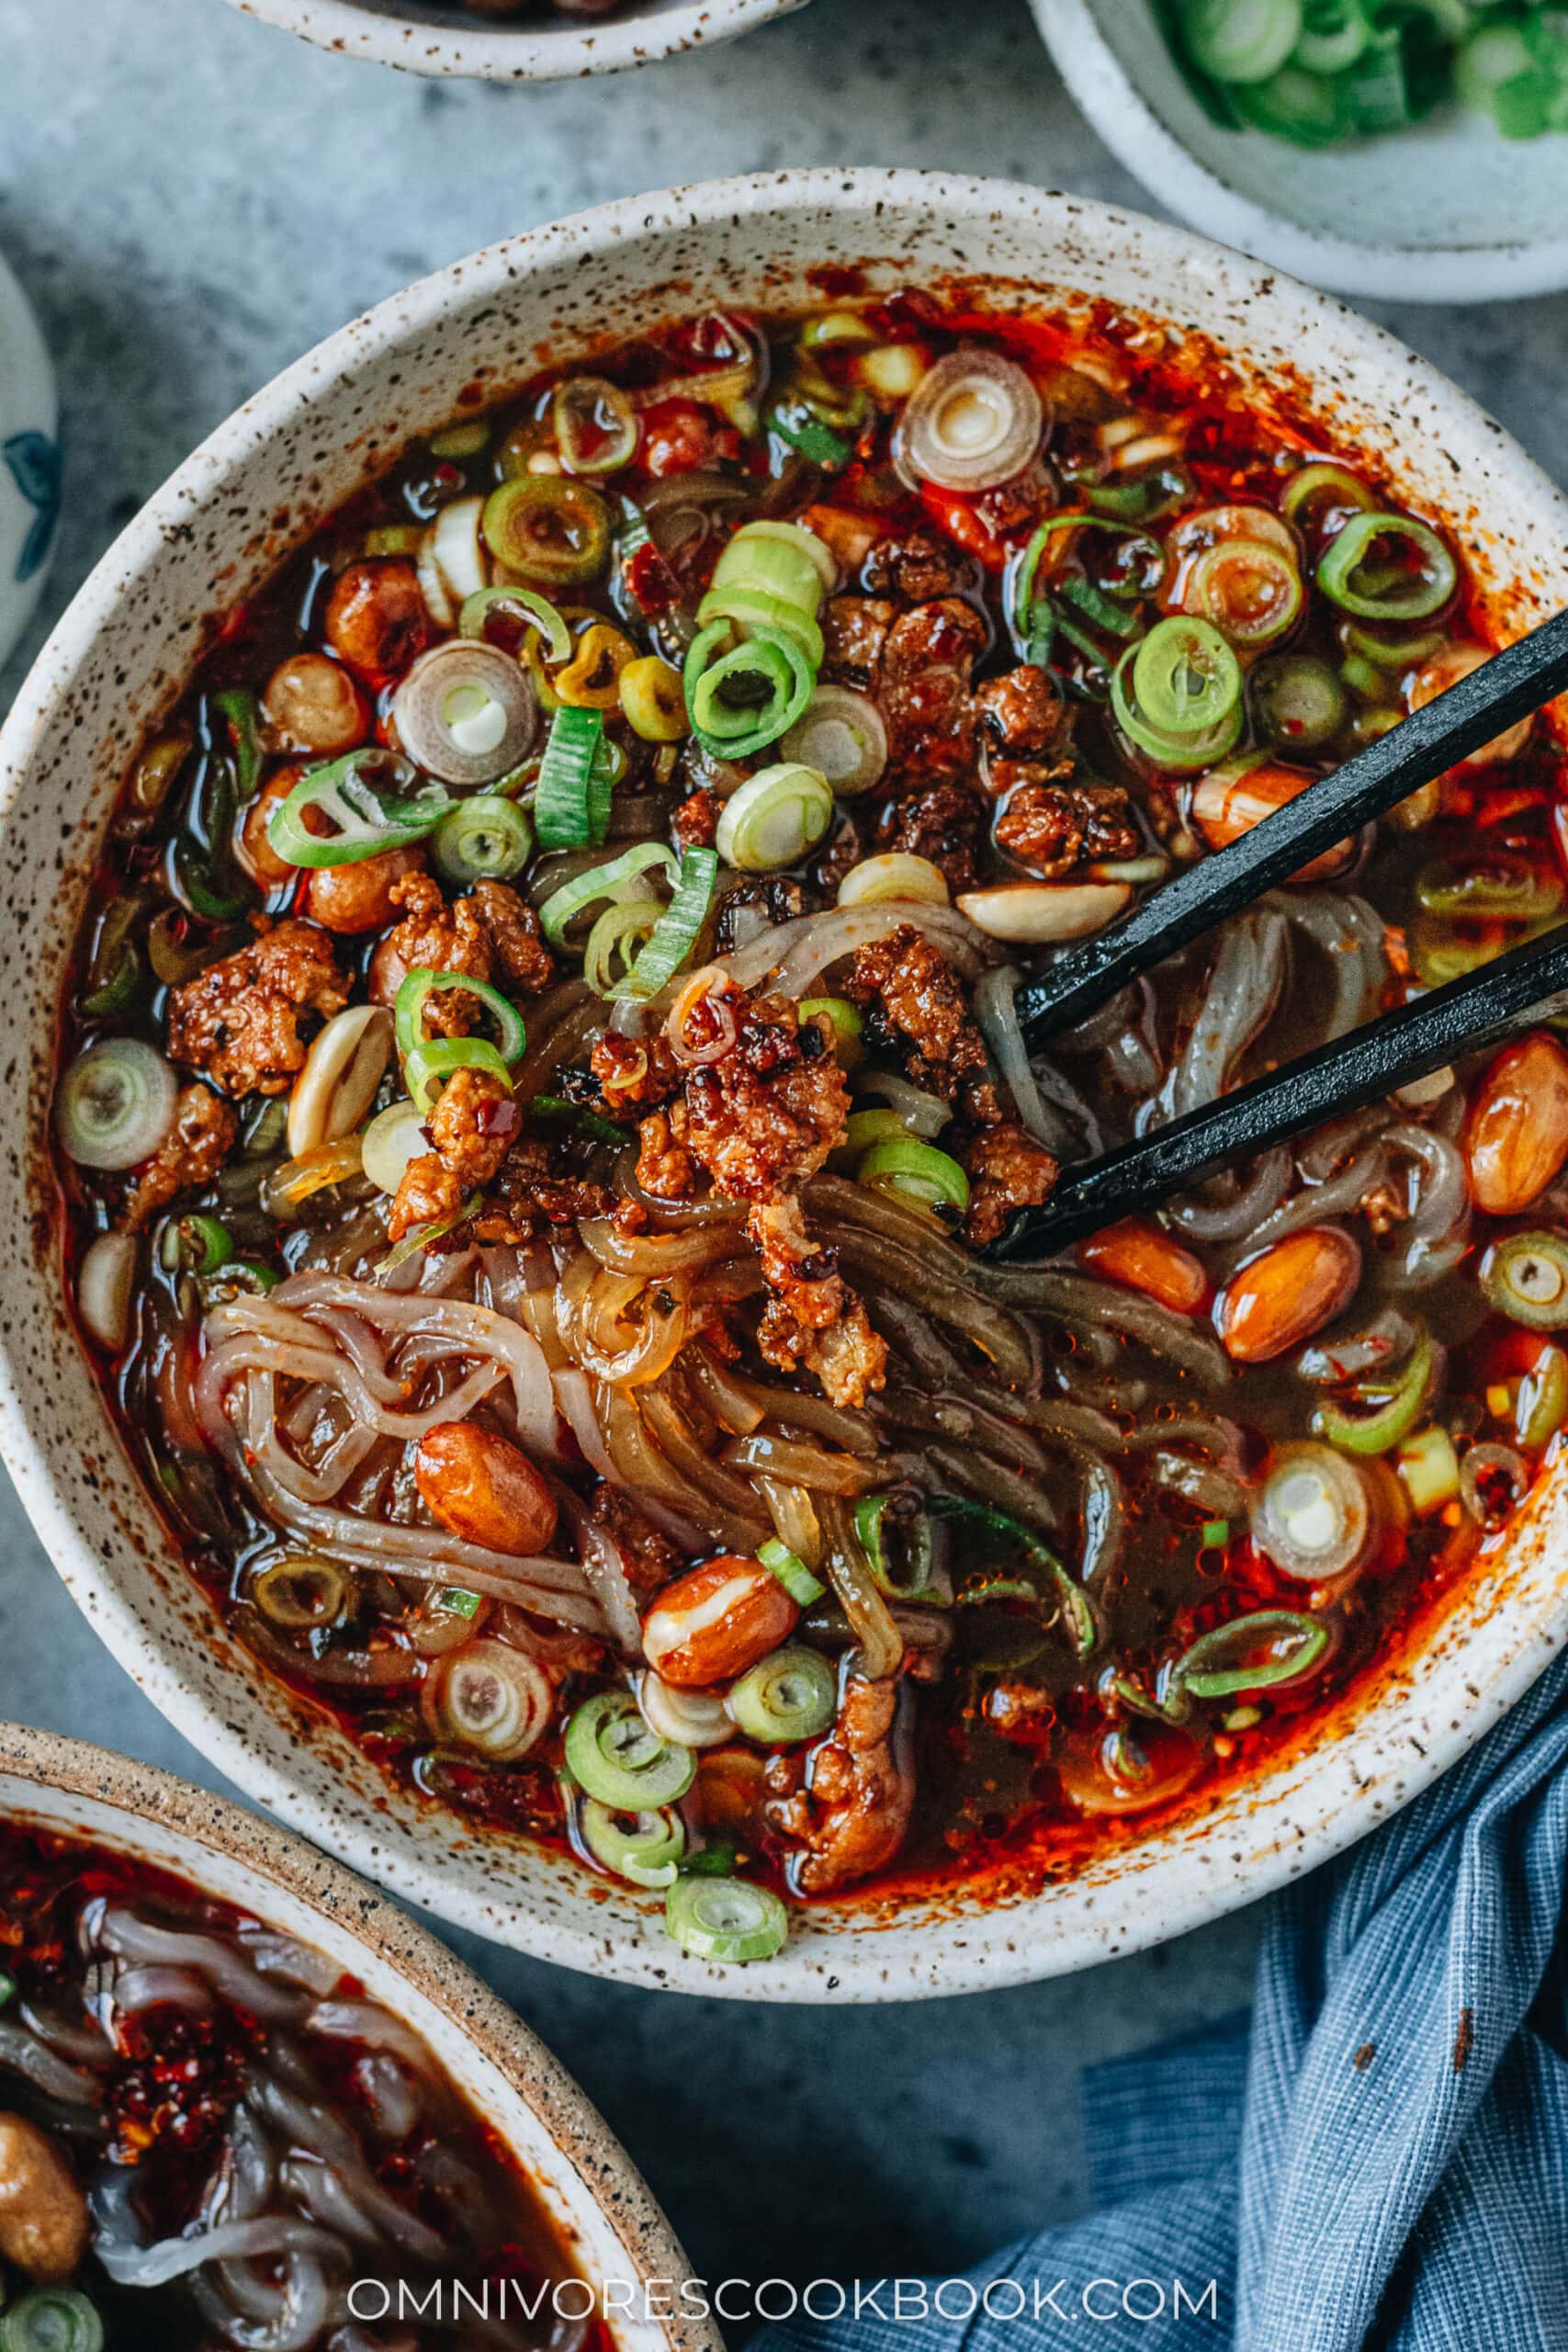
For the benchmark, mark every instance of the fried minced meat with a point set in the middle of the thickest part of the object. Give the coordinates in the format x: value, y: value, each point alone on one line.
x: 187, y: 1159
x: 664, y: 1166
x: 924, y: 687
x: 813, y: 1318
x: 918, y: 568
x: 1050, y: 825
x: 632, y: 1072
x: 492, y: 935
x: 647, y: 1555
x: 913, y: 1003
x: 760, y: 903
x: 1007, y: 1169
x: 850, y: 1816
x: 238, y: 1021
x: 854, y: 630
x: 942, y: 823
x: 695, y: 822
x: 1022, y: 710
x: 527, y: 1182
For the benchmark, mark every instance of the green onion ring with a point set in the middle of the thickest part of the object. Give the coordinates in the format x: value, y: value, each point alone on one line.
x: 1399, y: 595
x: 357, y: 792
x: 487, y: 838
x: 774, y: 661
x: 678, y: 929
x: 725, y: 1919
x: 1376, y: 1431
x: 615, y: 1757
x: 1216, y: 1668
x: 791, y: 1572
x: 525, y: 604
x: 1525, y: 1278
x: 644, y: 1847
x: 603, y: 882
x: 571, y: 802
x: 787, y: 1697
x: 408, y: 1010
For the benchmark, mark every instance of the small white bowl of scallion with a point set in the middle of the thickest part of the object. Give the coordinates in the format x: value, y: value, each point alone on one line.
x: 1410, y: 149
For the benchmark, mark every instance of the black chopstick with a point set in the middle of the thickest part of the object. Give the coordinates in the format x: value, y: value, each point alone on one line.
x: 1462, y: 1017
x: 1503, y: 690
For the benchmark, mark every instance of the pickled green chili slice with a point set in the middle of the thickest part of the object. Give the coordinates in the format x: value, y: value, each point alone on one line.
x: 1297, y: 701
x: 1542, y: 1404
x: 615, y: 1757
x: 803, y: 1588
x: 196, y: 1245
x: 1225, y: 1661
x: 1493, y: 888
x: 595, y: 425
x: 741, y: 697
x: 878, y: 1519
x: 548, y: 528
x: 1525, y: 1278
x: 367, y: 795
x: 645, y: 1847
x: 1320, y: 488
x: 603, y: 882
x: 678, y: 928
x: 571, y: 801
x: 487, y: 838
x: 1375, y: 1431
x: 408, y: 1012
x: 1177, y: 696
x: 1386, y: 566
x: 726, y: 1918
x: 1249, y: 588
x: 522, y: 605
x: 1145, y: 497
x: 241, y: 716
x: 51, y: 2319
x: 789, y: 1696
x: 1077, y: 1614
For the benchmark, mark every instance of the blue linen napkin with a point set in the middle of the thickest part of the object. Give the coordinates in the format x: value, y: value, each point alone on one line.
x: 1376, y: 2161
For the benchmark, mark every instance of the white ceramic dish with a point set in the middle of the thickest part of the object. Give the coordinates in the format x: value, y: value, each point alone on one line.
x: 30, y: 461
x: 542, y: 46
x: 1446, y: 212
x: 119, y: 655
x: 601, y: 2206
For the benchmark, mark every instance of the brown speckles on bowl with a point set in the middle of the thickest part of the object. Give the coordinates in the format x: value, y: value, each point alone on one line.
x: 294, y: 451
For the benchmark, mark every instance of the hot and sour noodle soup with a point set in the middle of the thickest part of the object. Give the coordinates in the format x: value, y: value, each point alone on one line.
x: 540, y: 1084
x: 208, y: 2135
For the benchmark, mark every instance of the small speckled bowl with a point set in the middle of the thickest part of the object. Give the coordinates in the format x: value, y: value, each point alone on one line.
x: 599, y: 2206
x: 541, y: 47
x: 263, y: 481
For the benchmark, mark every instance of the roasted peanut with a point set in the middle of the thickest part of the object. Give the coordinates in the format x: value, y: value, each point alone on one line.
x: 359, y: 897
x: 255, y: 853
x: 716, y: 1621
x: 484, y: 1488
x: 43, y: 2213
x: 1144, y: 1259
x: 313, y: 704
x: 1287, y: 1291
x: 1517, y: 1134
x: 376, y: 618
x: 1445, y: 670
x: 1229, y: 801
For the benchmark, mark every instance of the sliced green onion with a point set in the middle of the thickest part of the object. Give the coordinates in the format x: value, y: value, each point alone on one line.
x: 678, y: 928
x: 844, y: 736
x: 366, y: 796
x: 790, y: 1696
x: 116, y: 1103
x: 1541, y: 1407
x: 782, y: 560
x: 487, y: 837
x: 1307, y: 109
x: 1099, y: 608
x: 1185, y: 678
x: 567, y: 811
x: 645, y: 1847
x: 616, y: 940
x: 1214, y: 1535
x: 408, y: 1012
x: 791, y: 1572
x: 618, y: 1759
x: 1499, y: 887
x: 1322, y: 489
x: 742, y: 700
x: 457, y: 1603
x: 595, y: 425
x: 465, y: 713
x: 1077, y: 1612
x: 1186, y: 754
x: 1225, y: 1661
x: 918, y: 1170
x: 549, y: 528
x: 548, y: 1107
x: 241, y: 714
x: 863, y: 1128
x: 1428, y: 1469
x: 726, y: 1918
x: 196, y: 1245
x: 524, y: 604
x: 1357, y: 572
x: 7, y: 1988
x: 1397, y: 1416
x: 1525, y: 1278
x: 51, y: 2319
x: 603, y: 882
x: 1313, y: 1517
x: 429, y: 1064
x: 238, y: 1278
x: 1297, y: 701
x: 301, y: 1593
x: 752, y: 609
x: 1241, y: 41
x: 775, y: 817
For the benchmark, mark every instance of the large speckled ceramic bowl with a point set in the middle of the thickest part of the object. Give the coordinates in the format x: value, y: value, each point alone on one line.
x: 602, y: 2210
x: 426, y: 37
x: 119, y: 657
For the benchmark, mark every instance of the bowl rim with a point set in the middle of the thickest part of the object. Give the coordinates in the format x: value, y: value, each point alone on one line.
x: 1143, y: 141
x: 1269, y: 1829
x: 562, y: 51
x: 272, y: 1861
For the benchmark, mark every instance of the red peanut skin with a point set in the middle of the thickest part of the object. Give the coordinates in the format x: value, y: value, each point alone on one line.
x: 763, y: 1616
x: 482, y: 1488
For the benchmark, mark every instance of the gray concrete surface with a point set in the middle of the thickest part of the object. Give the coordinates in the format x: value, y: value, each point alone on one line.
x: 192, y: 200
